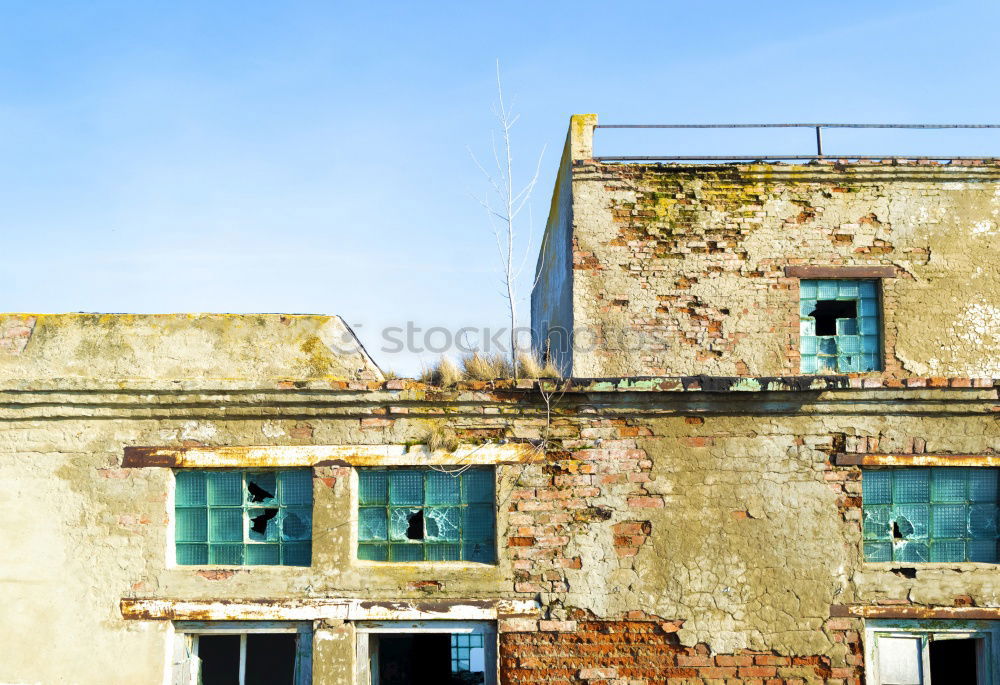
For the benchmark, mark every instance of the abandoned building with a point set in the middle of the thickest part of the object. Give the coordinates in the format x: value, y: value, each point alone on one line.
x: 773, y: 459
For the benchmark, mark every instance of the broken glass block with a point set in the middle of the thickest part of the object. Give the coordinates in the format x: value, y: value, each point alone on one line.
x: 296, y: 524
x: 441, y: 523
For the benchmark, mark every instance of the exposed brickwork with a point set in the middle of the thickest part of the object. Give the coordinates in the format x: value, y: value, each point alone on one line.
x: 646, y: 651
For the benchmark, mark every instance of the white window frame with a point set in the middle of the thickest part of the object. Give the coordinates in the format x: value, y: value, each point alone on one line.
x: 366, y: 633
x: 183, y: 663
x: 987, y: 651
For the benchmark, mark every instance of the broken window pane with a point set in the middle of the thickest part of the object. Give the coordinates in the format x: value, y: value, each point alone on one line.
x: 839, y: 326
x: 448, y: 515
x: 935, y: 514
x: 243, y: 517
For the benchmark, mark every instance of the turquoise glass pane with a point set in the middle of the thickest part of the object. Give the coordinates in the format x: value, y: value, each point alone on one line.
x: 373, y: 523
x: 477, y: 485
x: 867, y: 308
x: 296, y: 524
x: 847, y: 327
x: 443, y: 488
x: 442, y: 523
x: 868, y: 289
x: 950, y: 520
x: 808, y: 364
x: 296, y: 487
x: 406, y: 487
x: 191, y: 525
x: 807, y: 327
x: 440, y: 552
x: 190, y: 488
x: 406, y: 552
x: 912, y: 551
x: 870, y: 362
x: 876, y: 522
x: 808, y: 345
x: 370, y: 552
x: 878, y: 551
x: 296, y: 553
x: 262, y: 488
x: 806, y: 307
x: 826, y: 290
x: 911, y: 485
x: 983, y: 485
x: 949, y: 485
x: 869, y: 344
x: 259, y: 555
x: 869, y: 326
x: 912, y: 520
x: 848, y: 363
x: 876, y: 487
x: 948, y: 550
x: 849, y: 344
x: 192, y: 554
x: 225, y: 487
x: 225, y: 525
x: 848, y: 289
x: 478, y: 523
x: 827, y: 345
x: 479, y: 552
x: 263, y: 524
x: 983, y: 520
x: 807, y: 289
x: 225, y: 554
x: 983, y: 551
x: 403, y: 520
x: 373, y: 486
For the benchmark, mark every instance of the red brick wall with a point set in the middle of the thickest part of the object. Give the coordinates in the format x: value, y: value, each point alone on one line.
x: 646, y: 652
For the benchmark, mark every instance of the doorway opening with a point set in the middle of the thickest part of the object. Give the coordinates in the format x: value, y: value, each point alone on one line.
x: 427, y: 653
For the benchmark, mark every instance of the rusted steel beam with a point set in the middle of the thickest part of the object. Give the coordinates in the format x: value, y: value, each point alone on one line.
x: 811, y: 271
x: 851, y: 459
x: 320, y: 609
x: 325, y: 455
x: 916, y: 612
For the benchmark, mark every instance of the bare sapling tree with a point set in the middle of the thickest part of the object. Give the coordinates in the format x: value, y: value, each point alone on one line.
x: 504, y: 204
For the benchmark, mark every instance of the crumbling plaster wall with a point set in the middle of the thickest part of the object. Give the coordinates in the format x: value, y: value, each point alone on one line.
x: 718, y: 513
x: 680, y: 269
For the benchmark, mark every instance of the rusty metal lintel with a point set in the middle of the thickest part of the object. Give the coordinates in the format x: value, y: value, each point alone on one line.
x: 852, y: 459
x: 326, y: 609
x: 914, y: 612
x: 813, y: 271
x: 289, y: 456
x: 761, y: 158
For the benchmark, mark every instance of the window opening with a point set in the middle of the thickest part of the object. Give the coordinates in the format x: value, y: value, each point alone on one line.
x: 955, y: 661
x: 839, y: 326
x: 426, y: 653
x: 930, y: 514
x: 243, y: 517
x: 242, y: 653
x: 427, y: 514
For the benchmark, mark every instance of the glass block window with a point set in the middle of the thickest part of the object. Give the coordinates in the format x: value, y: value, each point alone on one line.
x: 427, y: 515
x: 930, y: 514
x: 839, y: 326
x: 244, y: 517
x: 467, y: 654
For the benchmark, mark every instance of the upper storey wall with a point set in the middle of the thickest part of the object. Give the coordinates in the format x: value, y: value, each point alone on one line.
x: 84, y: 349
x: 680, y: 269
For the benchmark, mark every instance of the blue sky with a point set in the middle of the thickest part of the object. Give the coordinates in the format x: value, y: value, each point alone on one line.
x: 312, y: 156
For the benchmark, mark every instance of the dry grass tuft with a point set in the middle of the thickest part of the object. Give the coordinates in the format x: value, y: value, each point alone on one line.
x: 529, y: 366
x: 444, y: 374
x: 478, y: 367
x: 389, y: 374
x: 442, y: 438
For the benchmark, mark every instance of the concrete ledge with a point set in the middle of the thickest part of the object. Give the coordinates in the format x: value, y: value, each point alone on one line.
x: 327, y: 609
x: 325, y: 455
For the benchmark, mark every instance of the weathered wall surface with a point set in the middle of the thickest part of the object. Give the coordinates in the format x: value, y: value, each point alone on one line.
x: 178, y: 347
x: 552, y: 296
x: 680, y: 269
x: 702, y: 530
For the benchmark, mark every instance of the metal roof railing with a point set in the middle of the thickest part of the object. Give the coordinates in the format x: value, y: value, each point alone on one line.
x: 819, y: 142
